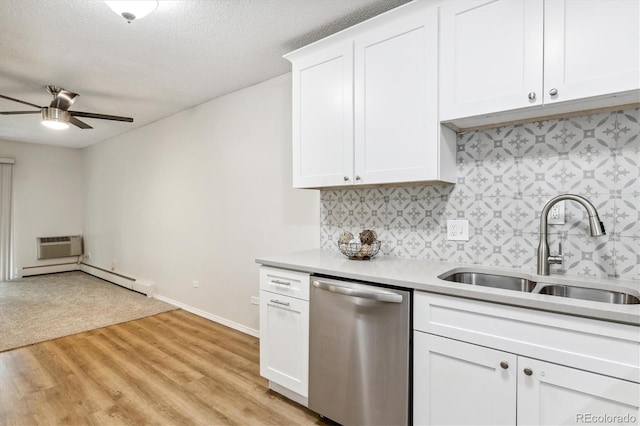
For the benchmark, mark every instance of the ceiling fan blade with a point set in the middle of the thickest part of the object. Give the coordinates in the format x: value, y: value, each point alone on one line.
x: 22, y: 102
x: 18, y: 112
x: 100, y: 116
x: 79, y: 123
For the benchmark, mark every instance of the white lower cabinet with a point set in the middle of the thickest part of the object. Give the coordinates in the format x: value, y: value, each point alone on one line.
x: 478, y: 363
x: 550, y: 394
x: 458, y: 383
x: 284, y: 332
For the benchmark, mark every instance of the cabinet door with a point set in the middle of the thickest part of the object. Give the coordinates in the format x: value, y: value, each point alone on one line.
x: 558, y: 395
x: 396, y: 92
x: 323, y: 117
x: 491, y: 56
x: 591, y: 48
x: 284, y: 341
x: 458, y: 383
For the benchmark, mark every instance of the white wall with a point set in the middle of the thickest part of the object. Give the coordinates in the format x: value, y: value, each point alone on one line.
x: 47, y: 196
x: 198, y: 196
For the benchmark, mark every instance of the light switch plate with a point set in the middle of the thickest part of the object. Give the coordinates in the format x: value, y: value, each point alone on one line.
x: 458, y: 230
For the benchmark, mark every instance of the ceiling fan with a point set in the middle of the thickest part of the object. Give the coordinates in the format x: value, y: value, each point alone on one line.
x: 57, y: 114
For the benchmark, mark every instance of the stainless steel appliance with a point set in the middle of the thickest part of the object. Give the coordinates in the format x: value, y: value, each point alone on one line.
x: 359, y: 352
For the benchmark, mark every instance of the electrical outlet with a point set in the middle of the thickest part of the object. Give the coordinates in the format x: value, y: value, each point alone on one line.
x: 255, y: 300
x: 196, y: 284
x: 556, y: 214
x: 458, y: 230
x: 88, y: 256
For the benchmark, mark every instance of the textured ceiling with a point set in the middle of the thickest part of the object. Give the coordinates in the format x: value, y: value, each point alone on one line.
x: 183, y: 54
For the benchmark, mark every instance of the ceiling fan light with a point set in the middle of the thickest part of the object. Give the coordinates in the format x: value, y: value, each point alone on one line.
x: 55, y: 118
x: 133, y: 9
x: 57, y: 125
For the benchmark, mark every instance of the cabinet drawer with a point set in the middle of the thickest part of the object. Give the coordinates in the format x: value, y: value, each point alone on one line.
x: 593, y: 345
x: 282, y: 281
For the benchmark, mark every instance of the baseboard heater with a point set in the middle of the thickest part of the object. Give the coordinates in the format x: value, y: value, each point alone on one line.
x: 135, y: 284
x: 28, y: 271
x: 56, y: 247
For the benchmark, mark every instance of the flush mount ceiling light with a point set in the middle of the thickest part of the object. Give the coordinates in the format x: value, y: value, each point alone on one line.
x: 133, y: 9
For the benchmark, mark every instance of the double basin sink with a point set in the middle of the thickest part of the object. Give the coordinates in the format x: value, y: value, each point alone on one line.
x: 525, y: 285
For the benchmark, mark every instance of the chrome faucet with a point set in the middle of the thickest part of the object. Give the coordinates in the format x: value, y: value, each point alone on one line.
x: 595, y: 225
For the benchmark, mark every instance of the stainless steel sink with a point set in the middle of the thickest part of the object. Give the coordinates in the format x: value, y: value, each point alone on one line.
x: 593, y: 294
x: 491, y: 280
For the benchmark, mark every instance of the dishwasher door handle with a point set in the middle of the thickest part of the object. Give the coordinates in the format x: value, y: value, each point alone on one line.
x: 377, y: 295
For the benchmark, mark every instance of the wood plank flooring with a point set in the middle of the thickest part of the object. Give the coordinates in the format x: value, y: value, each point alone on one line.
x: 171, y: 368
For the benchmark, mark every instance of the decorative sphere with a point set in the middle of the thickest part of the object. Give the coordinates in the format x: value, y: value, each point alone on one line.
x: 366, y: 250
x: 368, y: 236
x: 345, y: 237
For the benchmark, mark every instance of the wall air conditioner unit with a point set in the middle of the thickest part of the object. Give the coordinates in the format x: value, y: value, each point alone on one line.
x: 53, y: 247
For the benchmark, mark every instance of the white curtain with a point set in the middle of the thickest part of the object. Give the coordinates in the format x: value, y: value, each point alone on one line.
x: 6, y: 231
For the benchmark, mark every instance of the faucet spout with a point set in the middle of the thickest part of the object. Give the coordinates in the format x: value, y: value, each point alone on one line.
x: 596, y: 228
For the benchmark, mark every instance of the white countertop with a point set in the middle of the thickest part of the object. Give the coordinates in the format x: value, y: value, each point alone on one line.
x: 423, y: 275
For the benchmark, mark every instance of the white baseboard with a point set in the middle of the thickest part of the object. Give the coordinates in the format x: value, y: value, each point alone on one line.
x: 212, y: 317
x: 141, y: 286
x: 28, y: 271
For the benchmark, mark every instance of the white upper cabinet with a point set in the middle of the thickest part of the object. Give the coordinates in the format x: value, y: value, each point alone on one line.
x: 491, y: 53
x: 557, y: 55
x: 396, y: 90
x: 323, y: 117
x: 591, y: 48
x: 365, y: 104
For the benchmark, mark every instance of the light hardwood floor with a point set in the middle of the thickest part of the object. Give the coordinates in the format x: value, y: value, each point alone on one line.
x: 171, y: 368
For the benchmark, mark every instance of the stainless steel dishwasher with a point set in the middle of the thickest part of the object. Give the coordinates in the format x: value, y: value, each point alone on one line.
x: 359, y: 352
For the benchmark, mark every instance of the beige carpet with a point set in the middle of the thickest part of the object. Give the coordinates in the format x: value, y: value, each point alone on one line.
x: 35, y: 309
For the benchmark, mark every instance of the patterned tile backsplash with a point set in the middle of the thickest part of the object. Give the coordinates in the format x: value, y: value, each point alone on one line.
x: 505, y: 176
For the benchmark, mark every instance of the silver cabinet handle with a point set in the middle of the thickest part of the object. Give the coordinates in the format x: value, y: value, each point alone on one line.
x: 504, y: 365
x: 346, y: 178
x: 277, y: 302
x: 528, y: 371
x: 553, y: 91
x: 377, y: 295
x: 358, y: 178
x: 532, y: 96
x: 287, y: 283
